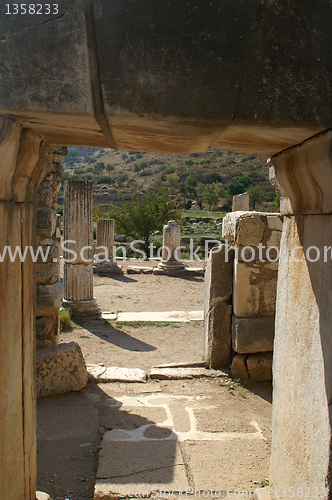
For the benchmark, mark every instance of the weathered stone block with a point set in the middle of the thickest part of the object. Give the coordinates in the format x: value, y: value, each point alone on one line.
x: 44, y: 325
x: 53, y: 252
x: 217, y: 325
x: 254, y: 289
x: 218, y: 280
x: 240, y: 202
x: 60, y: 369
x: 239, y: 367
x: 47, y: 330
x: 46, y: 222
x: 217, y: 297
x: 49, y: 298
x: 251, y: 335
x: 47, y: 274
x: 260, y: 366
x: 45, y: 197
x: 251, y: 228
x: 42, y: 496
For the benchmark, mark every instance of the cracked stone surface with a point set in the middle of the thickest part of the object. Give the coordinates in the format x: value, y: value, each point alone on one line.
x: 115, y: 439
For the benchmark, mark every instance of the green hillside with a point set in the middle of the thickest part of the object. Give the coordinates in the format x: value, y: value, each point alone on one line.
x: 208, y: 179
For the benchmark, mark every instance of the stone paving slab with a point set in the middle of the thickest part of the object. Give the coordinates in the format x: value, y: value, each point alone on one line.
x: 119, y: 374
x: 183, y: 373
x: 219, y: 470
x: 171, y: 316
x: 125, y: 468
x: 182, y: 448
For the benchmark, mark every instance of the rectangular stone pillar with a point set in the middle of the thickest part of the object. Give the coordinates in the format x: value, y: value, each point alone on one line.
x: 21, y: 153
x: 217, y: 308
x: 78, y: 238
x: 302, y: 364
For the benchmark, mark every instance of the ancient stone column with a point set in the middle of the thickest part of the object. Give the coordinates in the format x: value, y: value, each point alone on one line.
x: 302, y: 363
x: 171, y: 252
x: 22, y: 165
x: 105, y: 262
x: 78, y: 228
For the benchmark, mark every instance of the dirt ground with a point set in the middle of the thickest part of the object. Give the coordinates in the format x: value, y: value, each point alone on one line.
x: 142, y: 345
x: 201, y: 433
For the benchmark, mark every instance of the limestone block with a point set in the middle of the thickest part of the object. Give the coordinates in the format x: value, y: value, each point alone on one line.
x: 251, y: 228
x: 240, y: 202
x: 60, y: 369
x: 254, y: 289
x: 304, y: 173
x: 45, y: 197
x: 40, y: 495
x: 217, y: 308
x: 239, y: 367
x: 47, y: 274
x: 218, y: 281
x: 52, y: 253
x: 251, y: 335
x: 47, y: 330
x: 46, y: 222
x: 217, y: 334
x: 49, y: 298
x: 43, y: 325
x: 260, y: 366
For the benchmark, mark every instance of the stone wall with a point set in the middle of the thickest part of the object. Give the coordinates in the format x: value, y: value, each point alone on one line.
x: 244, y: 333
x: 49, y: 286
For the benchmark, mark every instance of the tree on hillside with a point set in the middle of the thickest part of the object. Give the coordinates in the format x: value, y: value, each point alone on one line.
x: 172, y: 181
x: 144, y: 214
x: 256, y: 195
x: 235, y: 187
x: 109, y: 168
x: 98, y: 167
x: 245, y: 180
x: 212, y: 193
x: 190, y: 185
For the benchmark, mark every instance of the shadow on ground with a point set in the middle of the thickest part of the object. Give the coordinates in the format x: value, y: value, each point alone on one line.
x: 105, y: 331
x: 70, y: 428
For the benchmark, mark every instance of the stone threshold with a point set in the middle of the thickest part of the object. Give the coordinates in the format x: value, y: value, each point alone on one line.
x: 171, y: 316
x: 180, y: 371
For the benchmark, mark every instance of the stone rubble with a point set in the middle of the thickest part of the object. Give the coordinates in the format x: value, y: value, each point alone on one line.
x: 60, y: 369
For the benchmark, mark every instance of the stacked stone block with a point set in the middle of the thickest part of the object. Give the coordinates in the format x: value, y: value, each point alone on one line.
x: 49, y: 287
x: 256, y: 239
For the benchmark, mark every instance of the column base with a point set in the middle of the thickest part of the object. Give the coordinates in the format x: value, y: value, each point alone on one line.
x: 171, y: 265
x: 82, y: 308
x: 106, y: 269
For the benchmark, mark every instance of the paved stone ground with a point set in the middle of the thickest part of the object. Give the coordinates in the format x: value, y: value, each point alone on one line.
x: 159, y: 436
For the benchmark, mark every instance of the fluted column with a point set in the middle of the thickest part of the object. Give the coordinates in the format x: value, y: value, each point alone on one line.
x: 171, y: 252
x: 105, y: 262
x: 78, y: 238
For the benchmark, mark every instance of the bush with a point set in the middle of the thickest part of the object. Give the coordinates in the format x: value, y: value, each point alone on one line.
x: 145, y: 173
x: 235, y: 187
x: 66, y: 322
